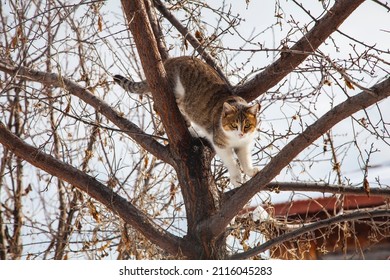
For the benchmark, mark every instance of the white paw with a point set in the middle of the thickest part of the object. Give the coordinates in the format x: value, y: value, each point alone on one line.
x: 235, y: 179
x: 252, y: 171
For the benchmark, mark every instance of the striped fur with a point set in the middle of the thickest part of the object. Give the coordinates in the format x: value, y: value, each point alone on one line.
x: 207, y: 103
x: 134, y: 87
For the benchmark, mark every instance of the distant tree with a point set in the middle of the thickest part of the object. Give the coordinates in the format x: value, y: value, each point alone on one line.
x: 88, y: 171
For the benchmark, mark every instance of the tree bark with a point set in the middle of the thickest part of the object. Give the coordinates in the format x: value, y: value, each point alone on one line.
x: 192, y: 159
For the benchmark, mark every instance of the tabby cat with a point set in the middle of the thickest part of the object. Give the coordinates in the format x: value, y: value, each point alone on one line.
x: 208, y: 105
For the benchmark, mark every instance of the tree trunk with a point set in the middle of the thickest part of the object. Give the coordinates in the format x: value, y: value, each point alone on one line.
x: 201, y: 198
x: 192, y: 157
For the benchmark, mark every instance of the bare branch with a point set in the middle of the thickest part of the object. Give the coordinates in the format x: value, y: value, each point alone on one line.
x: 311, y: 227
x: 317, y: 187
x: 190, y: 38
x: 117, y: 204
x: 230, y: 208
x: 156, y: 29
x: 384, y: 5
x: 52, y: 79
x: 326, y: 188
x: 155, y: 74
x: 299, y: 52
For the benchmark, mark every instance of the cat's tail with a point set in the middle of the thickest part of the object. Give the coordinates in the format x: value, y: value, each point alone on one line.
x: 134, y: 87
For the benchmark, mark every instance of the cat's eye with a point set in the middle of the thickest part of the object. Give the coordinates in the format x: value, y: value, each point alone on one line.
x: 233, y: 125
x: 247, y: 125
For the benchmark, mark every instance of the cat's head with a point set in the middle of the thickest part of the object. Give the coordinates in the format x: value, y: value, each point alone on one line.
x: 238, y: 120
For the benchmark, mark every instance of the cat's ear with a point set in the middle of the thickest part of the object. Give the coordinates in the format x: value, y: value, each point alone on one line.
x: 228, y: 109
x: 254, y: 109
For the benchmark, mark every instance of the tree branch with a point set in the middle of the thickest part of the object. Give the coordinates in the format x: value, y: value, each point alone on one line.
x: 308, y: 228
x: 165, y: 103
x: 158, y: 35
x: 317, y: 187
x: 326, y: 188
x: 98, y: 191
x: 52, y: 79
x: 233, y: 205
x: 275, y: 72
x: 190, y: 38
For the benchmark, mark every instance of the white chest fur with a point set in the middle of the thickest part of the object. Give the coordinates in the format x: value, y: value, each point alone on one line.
x: 237, y: 143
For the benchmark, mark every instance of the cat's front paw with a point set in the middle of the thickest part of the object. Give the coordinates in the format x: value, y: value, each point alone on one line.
x: 252, y: 171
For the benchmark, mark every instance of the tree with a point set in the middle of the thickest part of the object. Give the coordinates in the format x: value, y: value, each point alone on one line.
x: 95, y: 154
